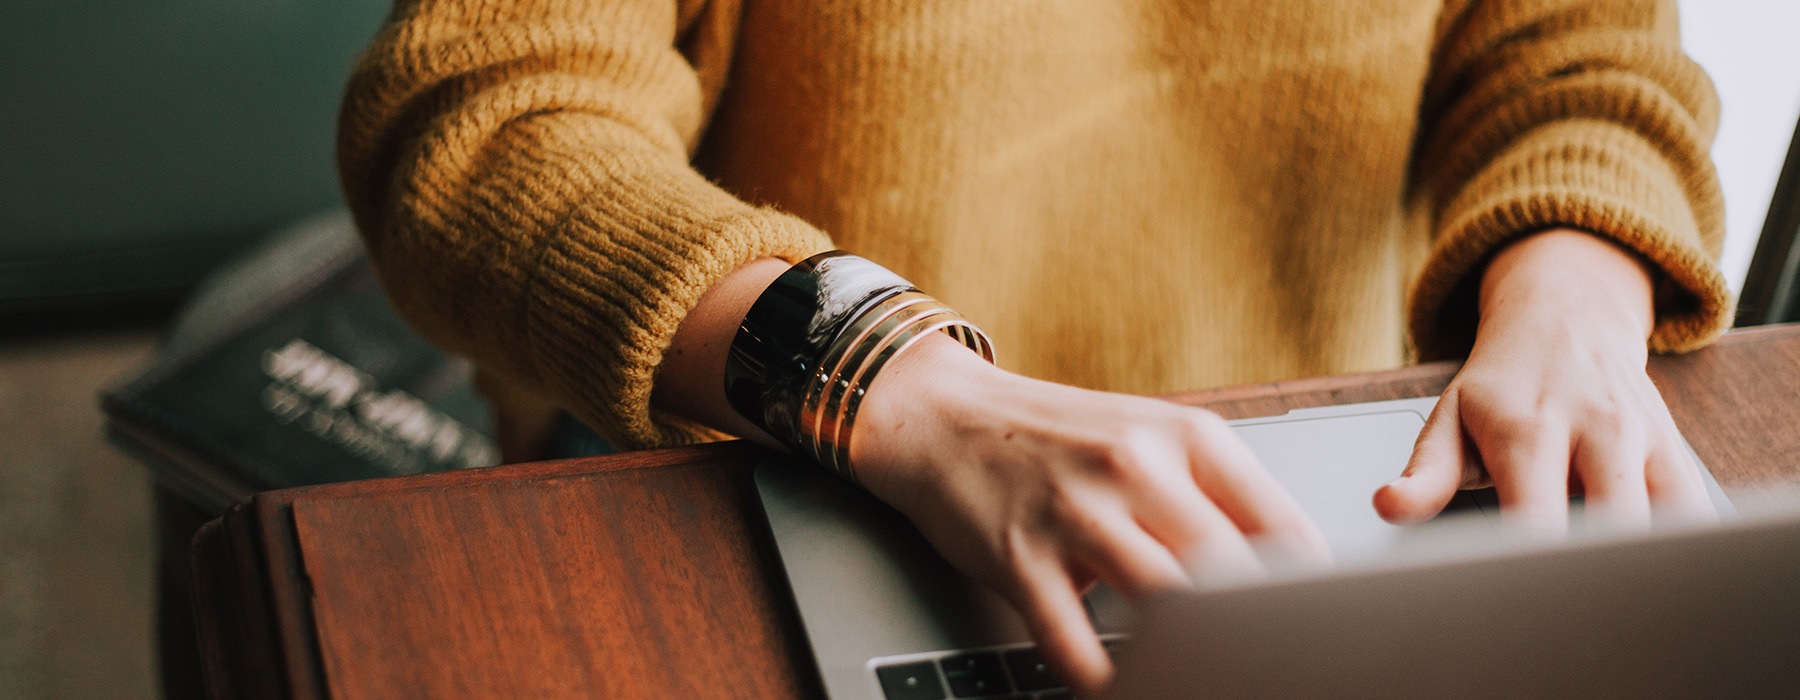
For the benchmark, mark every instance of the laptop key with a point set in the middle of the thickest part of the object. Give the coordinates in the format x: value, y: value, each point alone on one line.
x: 914, y: 681
x: 1029, y: 672
x: 975, y: 675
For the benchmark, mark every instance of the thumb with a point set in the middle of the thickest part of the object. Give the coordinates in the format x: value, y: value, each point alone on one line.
x: 1442, y: 461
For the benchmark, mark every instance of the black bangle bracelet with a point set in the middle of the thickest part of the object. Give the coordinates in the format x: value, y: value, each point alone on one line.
x: 785, y: 336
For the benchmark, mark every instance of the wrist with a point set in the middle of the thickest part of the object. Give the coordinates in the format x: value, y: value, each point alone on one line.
x: 911, y: 405
x: 813, y: 344
x: 1577, y: 278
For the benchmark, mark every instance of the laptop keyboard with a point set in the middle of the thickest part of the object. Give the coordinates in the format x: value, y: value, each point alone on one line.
x: 1017, y: 672
x: 1000, y: 673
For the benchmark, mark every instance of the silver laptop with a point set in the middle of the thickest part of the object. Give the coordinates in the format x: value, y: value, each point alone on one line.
x: 1697, y: 612
x: 888, y: 619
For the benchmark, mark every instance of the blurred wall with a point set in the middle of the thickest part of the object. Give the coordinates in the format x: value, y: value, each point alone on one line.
x: 1749, y: 49
x: 138, y: 135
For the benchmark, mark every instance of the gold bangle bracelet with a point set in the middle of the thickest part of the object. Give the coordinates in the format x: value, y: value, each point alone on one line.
x: 830, y: 366
x: 850, y: 347
x: 805, y: 353
x: 890, y: 346
x: 852, y: 368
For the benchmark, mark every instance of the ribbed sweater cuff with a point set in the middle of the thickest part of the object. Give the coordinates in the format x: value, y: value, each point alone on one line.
x: 1593, y: 176
x: 604, y: 310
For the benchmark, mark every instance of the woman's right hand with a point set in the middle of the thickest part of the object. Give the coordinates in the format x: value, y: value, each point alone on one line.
x: 1039, y: 489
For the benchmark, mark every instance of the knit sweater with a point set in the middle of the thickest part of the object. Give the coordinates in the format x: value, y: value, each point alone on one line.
x: 1131, y: 195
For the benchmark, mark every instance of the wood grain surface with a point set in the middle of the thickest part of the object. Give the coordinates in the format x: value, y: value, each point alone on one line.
x: 619, y: 584
x: 650, y: 575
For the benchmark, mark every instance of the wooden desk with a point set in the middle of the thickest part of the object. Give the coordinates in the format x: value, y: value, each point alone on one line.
x: 650, y: 574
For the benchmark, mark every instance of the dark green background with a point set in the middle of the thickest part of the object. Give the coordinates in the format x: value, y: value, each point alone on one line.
x: 143, y: 140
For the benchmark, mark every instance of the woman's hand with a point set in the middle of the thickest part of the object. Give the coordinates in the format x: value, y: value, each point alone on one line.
x: 1554, y: 398
x: 1039, y: 489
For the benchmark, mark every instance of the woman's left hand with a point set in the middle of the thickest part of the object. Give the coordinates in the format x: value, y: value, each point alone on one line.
x: 1554, y: 399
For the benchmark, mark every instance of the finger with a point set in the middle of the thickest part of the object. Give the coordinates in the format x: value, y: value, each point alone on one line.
x: 1442, y: 461
x: 1160, y: 492
x: 1529, y: 463
x: 1611, y: 466
x: 1205, y: 542
x: 1117, y: 549
x: 1672, y: 475
x: 1191, y: 527
x: 1056, y: 617
x: 1248, y: 496
x: 1222, y: 555
x: 1676, y: 488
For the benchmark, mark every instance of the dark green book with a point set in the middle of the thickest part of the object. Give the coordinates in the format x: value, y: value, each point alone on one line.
x: 291, y: 368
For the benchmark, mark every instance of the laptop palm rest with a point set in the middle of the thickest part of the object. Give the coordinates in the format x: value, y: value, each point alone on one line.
x: 867, y: 583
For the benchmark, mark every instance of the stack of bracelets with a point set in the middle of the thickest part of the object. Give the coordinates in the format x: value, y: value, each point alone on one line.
x: 807, y: 351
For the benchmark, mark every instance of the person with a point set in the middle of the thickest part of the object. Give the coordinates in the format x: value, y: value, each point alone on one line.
x: 589, y: 196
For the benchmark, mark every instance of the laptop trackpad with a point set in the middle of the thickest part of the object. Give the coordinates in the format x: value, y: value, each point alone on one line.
x: 1333, y: 464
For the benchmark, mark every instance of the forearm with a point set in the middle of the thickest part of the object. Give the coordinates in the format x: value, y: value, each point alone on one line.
x: 691, y: 380
x: 535, y: 209
x: 1582, y: 115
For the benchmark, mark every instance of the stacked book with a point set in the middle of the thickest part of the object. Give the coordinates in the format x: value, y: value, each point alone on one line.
x: 291, y: 368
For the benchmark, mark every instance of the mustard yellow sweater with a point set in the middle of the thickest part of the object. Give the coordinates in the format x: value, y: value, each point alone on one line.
x: 1133, y: 195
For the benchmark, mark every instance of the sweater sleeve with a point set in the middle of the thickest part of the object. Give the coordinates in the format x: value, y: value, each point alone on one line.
x: 520, y: 170
x: 1543, y: 114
